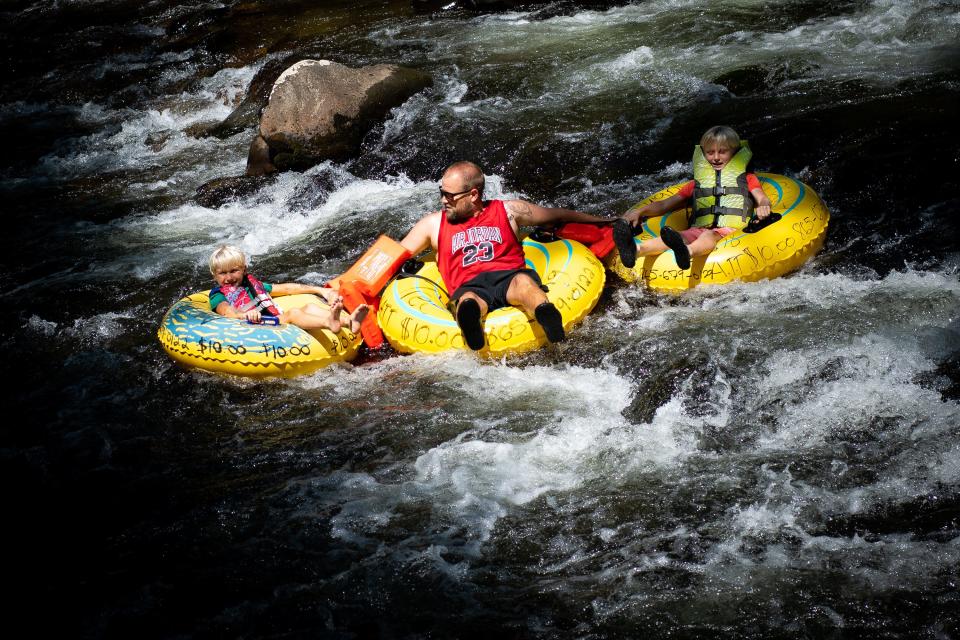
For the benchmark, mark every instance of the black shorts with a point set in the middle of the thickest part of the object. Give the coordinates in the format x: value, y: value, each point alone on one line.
x: 492, y: 286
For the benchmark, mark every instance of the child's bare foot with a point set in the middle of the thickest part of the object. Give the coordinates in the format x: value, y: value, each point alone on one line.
x: 335, y: 310
x: 357, y: 317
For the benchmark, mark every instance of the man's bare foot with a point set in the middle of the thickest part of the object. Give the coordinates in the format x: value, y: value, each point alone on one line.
x: 357, y: 317
x: 335, y: 310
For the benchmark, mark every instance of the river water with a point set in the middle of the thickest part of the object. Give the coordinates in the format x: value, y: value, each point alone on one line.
x: 775, y: 459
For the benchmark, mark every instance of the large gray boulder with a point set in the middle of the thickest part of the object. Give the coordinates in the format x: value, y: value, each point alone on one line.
x: 321, y: 110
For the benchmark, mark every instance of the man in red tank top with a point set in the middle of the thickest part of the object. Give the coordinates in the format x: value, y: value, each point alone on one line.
x: 480, y: 256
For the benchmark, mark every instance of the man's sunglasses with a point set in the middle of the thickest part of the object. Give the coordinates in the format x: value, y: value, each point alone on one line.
x: 452, y: 196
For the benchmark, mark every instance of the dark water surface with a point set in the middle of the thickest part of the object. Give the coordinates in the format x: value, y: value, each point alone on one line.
x: 768, y: 460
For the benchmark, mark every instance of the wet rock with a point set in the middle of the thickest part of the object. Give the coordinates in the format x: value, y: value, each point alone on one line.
x: 198, y: 129
x: 760, y: 78
x: 157, y: 140
x: 744, y: 81
x: 319, y: 110
x: 258, y: 158
x: 217, y: 192
x: 935, y: 516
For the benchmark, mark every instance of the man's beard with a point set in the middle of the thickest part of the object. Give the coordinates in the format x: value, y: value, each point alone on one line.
x: 456, y: 216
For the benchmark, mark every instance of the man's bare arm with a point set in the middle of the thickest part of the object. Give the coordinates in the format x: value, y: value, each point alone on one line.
x: 527, y: 214
x: 423, y: 234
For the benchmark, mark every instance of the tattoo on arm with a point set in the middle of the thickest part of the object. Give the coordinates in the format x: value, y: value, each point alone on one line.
x: 519, y: 210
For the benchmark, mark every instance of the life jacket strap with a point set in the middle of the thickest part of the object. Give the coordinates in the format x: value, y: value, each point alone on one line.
x: 264, y: 303
x: 729, y: 211
x: 706, y: 192
x: 717, y: 212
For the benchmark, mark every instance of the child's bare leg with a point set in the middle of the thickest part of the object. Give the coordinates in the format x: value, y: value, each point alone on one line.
x: 321, y: 319
x: 317, y: 310
x: 651, y: 246
x: 703, y: 245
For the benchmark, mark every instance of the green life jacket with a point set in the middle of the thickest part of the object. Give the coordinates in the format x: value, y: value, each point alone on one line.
x: 721, y: 198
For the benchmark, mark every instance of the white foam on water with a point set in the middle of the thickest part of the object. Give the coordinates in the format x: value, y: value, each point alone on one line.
x: 622, y: 49
x: 480, y: 475
x: 423, y: 110
x: 827, y: 291
x: 265, y: 221
x: 91, y: 331
x: 36, y: 324
x: 260, y: 223
x: 132, y: 62
x: 850, y: 367
x: 868, y: 370
x: 134, y: 140
x: 588, y: 22
x: 564, y: 57
x: 771, y: 535
x: 874, y: 44
x: 847, y: 391
x: 360, y: 198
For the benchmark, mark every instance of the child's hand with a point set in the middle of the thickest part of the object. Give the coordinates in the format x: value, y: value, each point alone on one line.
x: 253, y: 316
x: 763, y: 211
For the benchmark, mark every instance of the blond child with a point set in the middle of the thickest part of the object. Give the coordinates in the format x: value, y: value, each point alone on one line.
x: 240, y: 295
x: 724, y: 196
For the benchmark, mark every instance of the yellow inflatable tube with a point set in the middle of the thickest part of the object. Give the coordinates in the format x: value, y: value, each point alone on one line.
x: 775, y: 250
x: 197, y: 337
x: 414, y: 316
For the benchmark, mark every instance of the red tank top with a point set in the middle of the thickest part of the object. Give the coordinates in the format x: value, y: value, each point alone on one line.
x: 483, y: 243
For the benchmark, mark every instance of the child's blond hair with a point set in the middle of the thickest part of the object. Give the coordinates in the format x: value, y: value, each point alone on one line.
x: 226, y: 255
x: 721, y: 136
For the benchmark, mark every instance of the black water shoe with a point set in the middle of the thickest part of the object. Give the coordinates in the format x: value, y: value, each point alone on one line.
x: 623, y: 239
x: 552, y: 322
x: 468, y: 317
x: 675, y: 241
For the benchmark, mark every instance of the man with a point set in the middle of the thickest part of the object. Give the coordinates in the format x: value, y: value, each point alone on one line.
x: 480, y: 255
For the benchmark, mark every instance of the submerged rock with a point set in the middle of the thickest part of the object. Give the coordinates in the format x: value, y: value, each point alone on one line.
x: 157, y: 140
x: 320, y: 109
x: 216, y: 192
x: 258, y: 158
x: 760, y: 78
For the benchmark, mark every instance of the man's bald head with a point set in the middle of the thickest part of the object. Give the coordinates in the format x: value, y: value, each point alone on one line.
x: 466, y: 174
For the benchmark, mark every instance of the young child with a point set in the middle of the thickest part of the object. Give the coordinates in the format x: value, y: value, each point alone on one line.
x: 723, y: 196
x: 240, y: 295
